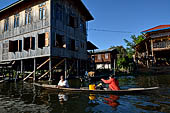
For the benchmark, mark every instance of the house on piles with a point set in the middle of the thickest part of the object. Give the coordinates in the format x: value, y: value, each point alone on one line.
x: 38, y: 35
x: 104, y: 59
x: 153, y: 52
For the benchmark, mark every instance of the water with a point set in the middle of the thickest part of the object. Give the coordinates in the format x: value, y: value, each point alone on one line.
x: 23, y: 97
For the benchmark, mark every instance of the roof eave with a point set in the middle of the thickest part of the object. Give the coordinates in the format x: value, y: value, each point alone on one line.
x: 155, y: 30
x: 9, y: 6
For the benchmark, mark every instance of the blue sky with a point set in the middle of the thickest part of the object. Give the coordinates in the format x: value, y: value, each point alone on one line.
x: 121, y: 15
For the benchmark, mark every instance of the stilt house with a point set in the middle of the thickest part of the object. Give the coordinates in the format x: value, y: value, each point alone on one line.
x: 44, y: 35
x: 153, y: 51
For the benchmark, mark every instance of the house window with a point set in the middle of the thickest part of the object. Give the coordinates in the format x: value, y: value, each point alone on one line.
x: 106, y: 56
x: 15, y: 46
x: 29, y: 43
x: 99, y: 56
x: 72, y: 21
x: 28, y: 16
x: 43, y: 40
x: 16, y: 20
x: 82, y: 26
x: 72, y: 44
x: 42, y: 11
x: 59, y: 13
x: 59, y: 41
x: 82, y: 45
x: 6, y: 24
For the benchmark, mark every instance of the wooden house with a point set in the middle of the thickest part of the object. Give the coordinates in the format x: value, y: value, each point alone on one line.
x: 153, y: 51
x: 104, y: 59
x: 44, y: 34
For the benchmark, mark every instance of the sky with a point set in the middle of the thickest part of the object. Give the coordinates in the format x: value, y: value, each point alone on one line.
x: 115, y: 20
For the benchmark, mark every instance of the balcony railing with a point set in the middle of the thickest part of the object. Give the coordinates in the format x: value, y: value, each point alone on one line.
x: 162, y: 44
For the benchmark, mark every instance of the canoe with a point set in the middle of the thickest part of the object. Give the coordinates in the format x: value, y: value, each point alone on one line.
x: 96, y: 91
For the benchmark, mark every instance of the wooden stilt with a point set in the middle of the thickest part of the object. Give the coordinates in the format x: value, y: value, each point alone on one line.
x: 50, y: 69
x: 65, y: 68
x: 22, y: 67
x: 147, y: 54
x: 34, y: 68
x: 114, y: 67
x: 77, y: 67
x: 152, y: 52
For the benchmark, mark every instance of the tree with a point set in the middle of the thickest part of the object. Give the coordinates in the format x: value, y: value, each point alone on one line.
x: 131, y: 45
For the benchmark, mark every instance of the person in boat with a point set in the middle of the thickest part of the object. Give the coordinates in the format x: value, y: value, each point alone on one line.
x: 62, y: 82
x: 113, y: 83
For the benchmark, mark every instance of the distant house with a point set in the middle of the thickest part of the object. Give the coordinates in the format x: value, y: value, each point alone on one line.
x: 104, y: 59
x: 154, y: 50
x: 45, y: 33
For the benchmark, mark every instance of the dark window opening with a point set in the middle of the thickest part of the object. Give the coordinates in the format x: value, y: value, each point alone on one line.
x: 72, y: 21
x: 29, y: 43
x: 41, y: 40
x: 32, y: 43
x: 15, y: 46
x: 59, y: 41
x: 72, y: 44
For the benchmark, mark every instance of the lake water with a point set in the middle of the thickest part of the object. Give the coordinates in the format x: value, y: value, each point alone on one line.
x: 23, y: 97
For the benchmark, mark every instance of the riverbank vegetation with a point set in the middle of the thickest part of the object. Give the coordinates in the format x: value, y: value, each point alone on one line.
x: 125, y: 58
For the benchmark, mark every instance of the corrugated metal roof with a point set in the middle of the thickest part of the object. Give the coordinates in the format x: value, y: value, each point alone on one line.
x: 157, y: 28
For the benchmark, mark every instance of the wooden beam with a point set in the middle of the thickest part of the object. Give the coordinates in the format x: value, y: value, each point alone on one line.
x: 36, y: 69
x: 52, y: 69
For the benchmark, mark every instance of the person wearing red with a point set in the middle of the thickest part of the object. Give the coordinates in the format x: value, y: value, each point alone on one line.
x: 113, y: 83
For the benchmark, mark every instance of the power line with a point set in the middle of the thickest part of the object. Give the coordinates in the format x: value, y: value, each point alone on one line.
x: 105, y: 30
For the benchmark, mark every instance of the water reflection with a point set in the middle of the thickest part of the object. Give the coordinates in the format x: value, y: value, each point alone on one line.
x: 112, y: 101
x: 24, y: 97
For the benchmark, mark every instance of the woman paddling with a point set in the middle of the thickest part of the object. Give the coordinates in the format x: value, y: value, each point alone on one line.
x: 62, y: 82
x: 113, y: 83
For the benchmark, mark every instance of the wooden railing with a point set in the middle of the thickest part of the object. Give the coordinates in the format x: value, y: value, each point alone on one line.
x: 163, y: 44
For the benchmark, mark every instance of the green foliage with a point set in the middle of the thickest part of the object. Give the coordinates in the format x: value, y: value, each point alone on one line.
x: 125, y: 56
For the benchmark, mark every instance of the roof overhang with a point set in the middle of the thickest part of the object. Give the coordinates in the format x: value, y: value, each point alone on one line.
x: 156, y: 30
x: 91, y: 46
x: 77, y: 3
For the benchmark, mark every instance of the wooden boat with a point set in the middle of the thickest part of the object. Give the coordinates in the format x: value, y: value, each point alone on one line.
x: 97, y: 91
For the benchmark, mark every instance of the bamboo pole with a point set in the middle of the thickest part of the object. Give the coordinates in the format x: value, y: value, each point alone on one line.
x: 52, y: 69
x: 36, y: 69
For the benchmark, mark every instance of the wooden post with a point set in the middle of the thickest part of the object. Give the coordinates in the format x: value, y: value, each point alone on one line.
x: 114, y: 66
x: 147, y: 54
x: 65, y: 68
x: 34, y: 68
x: 50, y: 69
x: 77, y: 67
x: 22, y: 69
x: 152, y: 50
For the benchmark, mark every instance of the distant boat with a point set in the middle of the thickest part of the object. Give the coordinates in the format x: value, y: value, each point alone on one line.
x: 86, y: 90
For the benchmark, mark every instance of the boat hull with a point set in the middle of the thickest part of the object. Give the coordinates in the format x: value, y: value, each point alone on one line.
x: 97, y: 91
